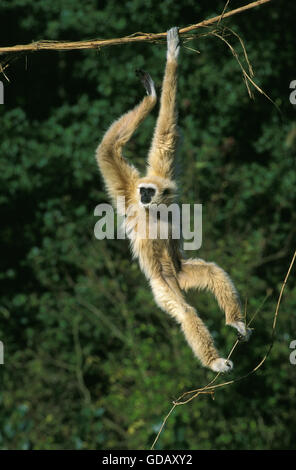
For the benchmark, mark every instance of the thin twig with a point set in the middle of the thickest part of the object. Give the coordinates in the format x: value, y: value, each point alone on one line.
x: 247, y: 77
x: 223, y: 12
x: 245, y: 74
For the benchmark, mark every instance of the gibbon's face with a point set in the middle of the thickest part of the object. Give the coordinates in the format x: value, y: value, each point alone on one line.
x: 147, y: 193
x: 156, y: 192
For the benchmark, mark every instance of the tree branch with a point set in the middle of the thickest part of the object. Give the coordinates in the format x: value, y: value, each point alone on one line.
x: 136, y: 37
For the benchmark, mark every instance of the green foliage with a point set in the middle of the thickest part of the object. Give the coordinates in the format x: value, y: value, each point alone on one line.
x: 90, y: 361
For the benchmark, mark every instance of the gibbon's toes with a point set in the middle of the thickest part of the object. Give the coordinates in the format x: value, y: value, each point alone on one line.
x: 173, y: 42
x: 147, y: 82
x: 244, y: 338
x: 221, y: 365
x: 243, y: 332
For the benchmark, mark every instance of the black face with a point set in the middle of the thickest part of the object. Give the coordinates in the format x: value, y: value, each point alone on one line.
x: 146, y: 194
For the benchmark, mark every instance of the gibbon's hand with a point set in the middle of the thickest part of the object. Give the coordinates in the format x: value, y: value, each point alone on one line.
x: 147, y: 82
x: 173, y: 42
x: 221, y: 365
x: 243, y: 338
x: 243, y: 332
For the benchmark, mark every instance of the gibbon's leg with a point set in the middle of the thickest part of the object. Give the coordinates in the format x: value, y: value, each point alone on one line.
x: 161, y: 154
x: 200, y: 274
x: 119, y: 176
x: 169, y: 298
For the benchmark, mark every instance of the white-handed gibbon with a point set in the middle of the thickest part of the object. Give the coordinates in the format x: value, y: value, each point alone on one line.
x: 160, y: 259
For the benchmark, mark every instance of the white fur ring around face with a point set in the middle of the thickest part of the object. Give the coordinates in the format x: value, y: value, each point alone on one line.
x: 221, y: 365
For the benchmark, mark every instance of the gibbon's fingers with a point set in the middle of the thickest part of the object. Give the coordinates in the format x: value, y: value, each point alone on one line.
x: 173, y: 42
x: 147, y: 82
x: 221, y: 365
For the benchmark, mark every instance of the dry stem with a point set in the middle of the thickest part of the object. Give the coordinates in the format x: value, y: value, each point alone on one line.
x: 210, y: 388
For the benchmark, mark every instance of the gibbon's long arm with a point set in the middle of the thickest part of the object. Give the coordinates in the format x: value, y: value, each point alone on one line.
x: 118, y: 175
x: 161, y: 154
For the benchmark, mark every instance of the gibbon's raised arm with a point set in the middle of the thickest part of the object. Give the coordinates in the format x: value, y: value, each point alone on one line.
x: 119, y: 176
x: 161, y: 154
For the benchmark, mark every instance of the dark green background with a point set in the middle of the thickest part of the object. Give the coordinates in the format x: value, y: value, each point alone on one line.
x: 90, y: 361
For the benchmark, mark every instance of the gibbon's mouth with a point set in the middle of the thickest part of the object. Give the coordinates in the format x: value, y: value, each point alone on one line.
x: 145, y: 204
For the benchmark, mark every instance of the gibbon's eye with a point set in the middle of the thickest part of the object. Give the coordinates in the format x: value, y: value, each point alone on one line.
x: 166, y: 192
x: 151, y: 191
x: 147, y: 191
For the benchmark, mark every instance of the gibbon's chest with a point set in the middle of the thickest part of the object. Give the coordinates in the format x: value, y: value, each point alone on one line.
x: 141, y: 226
x: 153, y: 255
x: 147, y: 245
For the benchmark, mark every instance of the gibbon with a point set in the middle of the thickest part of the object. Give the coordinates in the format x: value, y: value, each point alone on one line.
x: 161, y: 259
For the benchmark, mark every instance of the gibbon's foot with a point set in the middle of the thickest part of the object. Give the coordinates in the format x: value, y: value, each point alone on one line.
x: 243, y: 332
x: 147, y: 82
x: 173, y: 43
x: 221, y: 365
